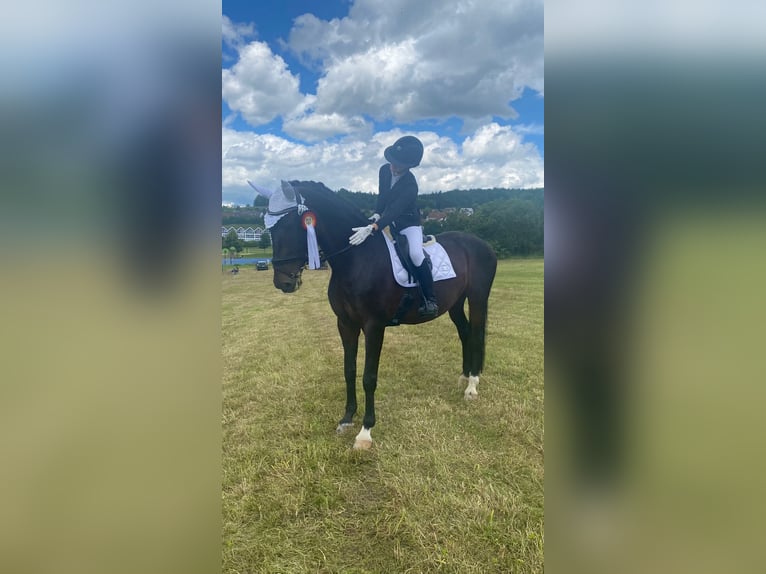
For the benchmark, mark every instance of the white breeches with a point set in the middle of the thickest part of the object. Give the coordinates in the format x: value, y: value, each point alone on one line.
x: 415, y: 239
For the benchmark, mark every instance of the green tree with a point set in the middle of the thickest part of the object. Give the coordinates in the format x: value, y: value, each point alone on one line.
x: 265, y: 241
x: 231, y: 241
x: 432, y: 227
x: 512, y: 227
x: 457, y: 221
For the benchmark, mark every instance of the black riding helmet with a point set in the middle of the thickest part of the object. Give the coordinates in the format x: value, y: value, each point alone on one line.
x: 406, y: 151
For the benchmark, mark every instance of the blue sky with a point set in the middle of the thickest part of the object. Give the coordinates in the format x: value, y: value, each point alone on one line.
x: 317, y: 89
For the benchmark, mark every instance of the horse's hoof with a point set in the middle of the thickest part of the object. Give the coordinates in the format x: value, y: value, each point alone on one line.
x: 471, y: 393
x: 362, y: 444
x: 343, y: 427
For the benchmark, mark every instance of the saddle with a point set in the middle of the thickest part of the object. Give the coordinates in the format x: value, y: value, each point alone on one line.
x: 402, y: 247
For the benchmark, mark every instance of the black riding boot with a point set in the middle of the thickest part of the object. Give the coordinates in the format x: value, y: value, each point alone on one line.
x: 426, y: 280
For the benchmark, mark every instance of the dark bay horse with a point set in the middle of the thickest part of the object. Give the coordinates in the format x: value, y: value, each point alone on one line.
x: 362, y: 290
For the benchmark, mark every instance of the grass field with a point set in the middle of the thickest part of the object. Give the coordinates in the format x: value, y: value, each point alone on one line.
x: 256, y: 252
x: 449, y: 486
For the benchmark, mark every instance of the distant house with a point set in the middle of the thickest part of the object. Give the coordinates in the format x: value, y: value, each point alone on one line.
x: 441, y: 215
x: 245, y: 234
x: 436, y: 215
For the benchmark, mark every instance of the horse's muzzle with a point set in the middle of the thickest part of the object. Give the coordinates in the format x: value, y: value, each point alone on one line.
x: 287, y: 283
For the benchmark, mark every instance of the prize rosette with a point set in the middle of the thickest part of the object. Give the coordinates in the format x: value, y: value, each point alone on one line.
x: 308, y: 219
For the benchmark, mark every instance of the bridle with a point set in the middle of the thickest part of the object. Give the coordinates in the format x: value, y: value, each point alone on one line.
x: 323, y: 257
x: 303, y: 257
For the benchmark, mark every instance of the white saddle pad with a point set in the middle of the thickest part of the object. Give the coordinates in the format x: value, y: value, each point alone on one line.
x: 442, y: 266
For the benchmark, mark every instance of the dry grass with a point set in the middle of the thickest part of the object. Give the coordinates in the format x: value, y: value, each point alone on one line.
x: 449, y: 486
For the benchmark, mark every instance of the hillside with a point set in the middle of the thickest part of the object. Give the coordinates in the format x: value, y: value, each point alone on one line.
x: 455, y: 198
x: 242, y: 215
x: 510, y: 220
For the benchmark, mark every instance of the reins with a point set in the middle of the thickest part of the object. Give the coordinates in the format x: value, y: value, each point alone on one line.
x: 287, y: 259
x: 331, y: 255
x: 323, y: 257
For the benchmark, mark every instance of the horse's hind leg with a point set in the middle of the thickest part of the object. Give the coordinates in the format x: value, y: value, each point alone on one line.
x: 467, y: 336
x: 477, y: 327
x: 457, y: 314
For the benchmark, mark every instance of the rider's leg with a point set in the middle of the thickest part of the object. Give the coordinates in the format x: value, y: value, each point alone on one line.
x: 415, y: 239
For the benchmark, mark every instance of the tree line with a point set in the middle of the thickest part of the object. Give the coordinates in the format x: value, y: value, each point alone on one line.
x: 233, y: 243
x: 243, y: 215
x: 513, y: 227
x: 510, y: 220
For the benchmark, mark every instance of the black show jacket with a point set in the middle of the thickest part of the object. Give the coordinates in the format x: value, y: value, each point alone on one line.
x: 398, y: 204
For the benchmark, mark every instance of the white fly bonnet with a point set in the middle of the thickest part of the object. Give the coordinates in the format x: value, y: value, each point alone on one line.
x: 280, y: 202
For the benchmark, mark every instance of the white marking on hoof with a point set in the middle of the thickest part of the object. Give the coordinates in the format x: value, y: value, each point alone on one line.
x: 343, y: 427
x: 470, y: 391
x: 363, y: 440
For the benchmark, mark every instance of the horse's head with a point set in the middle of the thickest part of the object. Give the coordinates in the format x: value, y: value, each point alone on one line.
x: 290, y: 253
x: 288, y: 238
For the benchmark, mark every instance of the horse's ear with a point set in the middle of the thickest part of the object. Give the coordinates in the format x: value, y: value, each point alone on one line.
x: 288, y: 190
x: 267, y: 193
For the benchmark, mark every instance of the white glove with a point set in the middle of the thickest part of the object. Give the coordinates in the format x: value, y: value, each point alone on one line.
x: 361, y: 234
x: 374, y: 218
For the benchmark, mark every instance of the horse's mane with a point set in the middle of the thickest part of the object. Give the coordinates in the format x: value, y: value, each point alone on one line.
x: 322, y: 199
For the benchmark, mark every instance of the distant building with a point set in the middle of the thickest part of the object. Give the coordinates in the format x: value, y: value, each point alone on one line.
x: 245, y: 233
x: 436, y: 215
x: 441, y: 215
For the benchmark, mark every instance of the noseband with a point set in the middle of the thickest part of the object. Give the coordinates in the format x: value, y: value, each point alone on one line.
x: 288, y: 259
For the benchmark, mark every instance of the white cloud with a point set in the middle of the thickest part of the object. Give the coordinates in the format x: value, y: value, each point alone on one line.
x: 362, y: 83
x: 260, y: 87
x: 431, y: 59
x: 391, y: 60
x: 497, y: 153
x: 529, y: 129
x: 491, y: 141
x: 314, y: 127
x: 235, y: 34
x: 394, y: 59
x: 493, y: 156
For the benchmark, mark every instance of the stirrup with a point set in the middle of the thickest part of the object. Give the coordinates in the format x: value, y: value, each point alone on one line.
x: 428, y: 309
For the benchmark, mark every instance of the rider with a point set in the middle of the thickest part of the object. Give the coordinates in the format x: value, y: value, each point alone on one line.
x: 397, y: 207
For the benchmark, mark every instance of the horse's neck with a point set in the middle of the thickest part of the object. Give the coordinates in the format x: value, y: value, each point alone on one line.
x: 347, y: 260
x: 332, y: 231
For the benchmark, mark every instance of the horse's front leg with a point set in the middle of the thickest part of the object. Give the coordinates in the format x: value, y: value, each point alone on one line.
x: 349, y: 335
x: 373, y: 343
